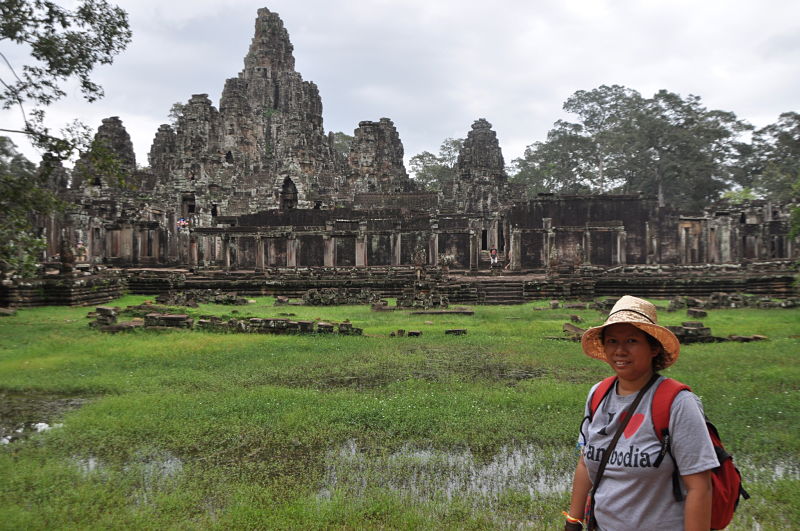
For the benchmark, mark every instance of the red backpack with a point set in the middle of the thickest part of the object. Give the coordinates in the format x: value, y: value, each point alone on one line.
x: 725, y: 479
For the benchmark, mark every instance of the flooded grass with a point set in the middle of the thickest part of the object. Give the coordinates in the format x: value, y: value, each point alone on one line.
x: 218, y: 431
x: 23, y: 414
x: 427, y: 474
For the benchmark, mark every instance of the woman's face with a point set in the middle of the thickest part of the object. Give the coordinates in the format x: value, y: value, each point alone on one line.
x: 628, y: 352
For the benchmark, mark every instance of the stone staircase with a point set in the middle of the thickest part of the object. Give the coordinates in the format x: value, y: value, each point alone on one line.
x: 500, y: 292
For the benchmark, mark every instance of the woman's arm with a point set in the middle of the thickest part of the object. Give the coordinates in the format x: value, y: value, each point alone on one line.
x: 697, y: 511
x: 581, y: 485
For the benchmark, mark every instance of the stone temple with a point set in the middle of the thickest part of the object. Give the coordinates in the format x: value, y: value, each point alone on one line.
x: 254, y: 187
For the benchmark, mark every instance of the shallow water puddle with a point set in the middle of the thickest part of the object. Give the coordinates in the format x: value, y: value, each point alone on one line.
x: 23, y: 414
x: 428, y: 473
x: 152, y: 472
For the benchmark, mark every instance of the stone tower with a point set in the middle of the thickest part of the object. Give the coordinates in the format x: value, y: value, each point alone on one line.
x: 480, y: 185
x: 376, y: 155
x: 112, y: 161
x: 264, y: 148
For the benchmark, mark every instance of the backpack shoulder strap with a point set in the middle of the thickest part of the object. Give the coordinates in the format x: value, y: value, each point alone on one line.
x: 600, y: 393
x: 665, y: 394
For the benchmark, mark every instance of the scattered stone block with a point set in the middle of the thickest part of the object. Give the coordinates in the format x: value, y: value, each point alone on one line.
x: 414, y: 333
x: 554, y: 305
x: 697, y: 313
x: 161, y: 320
x: 126, y: 326
x: 324, y: 328
x: 675, y: 304
x: 7, y: 312
x: 747, y: 339
x: 456, y: 332
x: 692, y: 302
x: 576, y: 318
x: 305, y: 327
x: 572, y: 331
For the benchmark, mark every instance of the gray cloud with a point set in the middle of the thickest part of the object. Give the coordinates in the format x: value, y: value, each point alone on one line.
x: 435, y: 67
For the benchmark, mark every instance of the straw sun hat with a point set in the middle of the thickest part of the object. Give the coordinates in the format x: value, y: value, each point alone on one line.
x: 640, y: 314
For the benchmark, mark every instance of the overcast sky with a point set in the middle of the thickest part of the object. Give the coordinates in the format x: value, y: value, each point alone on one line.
x: 435, y: 66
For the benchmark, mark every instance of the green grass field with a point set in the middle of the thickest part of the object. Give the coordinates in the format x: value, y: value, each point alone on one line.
x: 198, y: 430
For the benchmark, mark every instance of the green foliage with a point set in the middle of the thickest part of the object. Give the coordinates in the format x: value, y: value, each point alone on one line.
x: 666, y: 146
x: 775, y: 158
x: 739, y: 196
x: 795, y: 223
x: 100, y: 165
x: 434, y: 171
x: 342, y: 143
x: 176, y: 113
x: 219, y: 431
x: 23, y: 196
x: 63, y: 45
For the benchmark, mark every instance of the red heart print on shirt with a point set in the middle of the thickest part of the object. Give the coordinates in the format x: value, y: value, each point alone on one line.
x: 633, y: 425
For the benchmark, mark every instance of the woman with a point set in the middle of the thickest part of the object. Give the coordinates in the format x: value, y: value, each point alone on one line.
x: 635, y: 494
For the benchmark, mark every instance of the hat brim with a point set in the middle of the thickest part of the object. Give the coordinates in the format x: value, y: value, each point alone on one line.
x: 592, y: 342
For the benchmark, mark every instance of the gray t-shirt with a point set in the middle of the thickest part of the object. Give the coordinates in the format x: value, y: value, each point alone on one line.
x: 633, y: 494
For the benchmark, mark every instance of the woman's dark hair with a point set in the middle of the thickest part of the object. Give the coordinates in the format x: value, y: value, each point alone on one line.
x: 659, y: 360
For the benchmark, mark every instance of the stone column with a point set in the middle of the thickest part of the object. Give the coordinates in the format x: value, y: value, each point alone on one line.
x: 622, y: 243
x: 136, y: 245
x: 108, y: 242
x: 272, y: 252
x: 226, y: 253
x: 433, y: 247
x: 172, y: 238
x: 586, y: 252
x: 329, y: 250
x: 516, y: 249
x: 259, y: 253
x: 192, y: 251
x: 474, y: 249
x: 233, y: 248
x: 291, y: 251
x: 396, y: 247
x: 361, y: 245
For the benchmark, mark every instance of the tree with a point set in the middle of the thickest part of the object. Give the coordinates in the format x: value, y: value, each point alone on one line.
x: 342, y: 143
x: 739, y: 196
x: 605, y: 115
x: 559, y: 165
x: 434, y: 171
x: 776, y: 154
x: 23, y: 195
x: 176, y: 113
x: 668, y: 146
x: 585, y: 156
x: 63, y: 45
